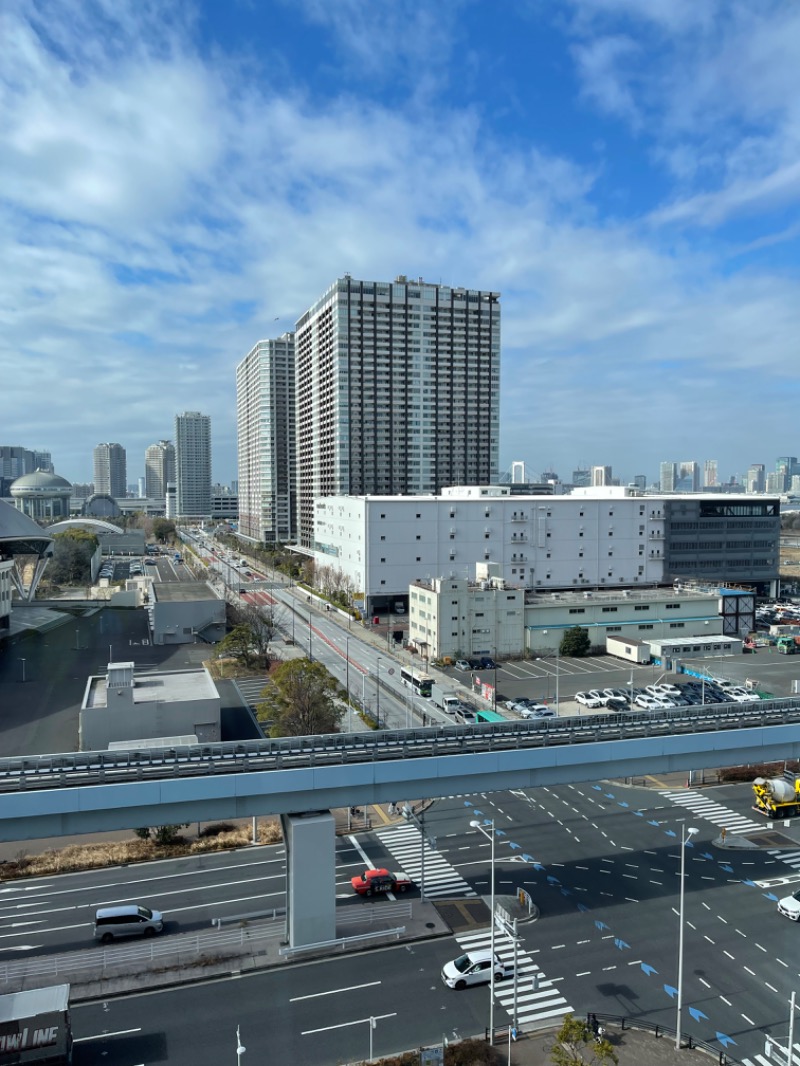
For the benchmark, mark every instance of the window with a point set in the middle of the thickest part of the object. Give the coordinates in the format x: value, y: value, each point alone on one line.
x: 419, y: 537
x: 609, y: 610
x: 613, y: 629
x: 640, y: 607
x: 577, y: 610
x: 645, y: 627
x: 673, y: 606
x: 419, y: 516
x: 383, y: 560
x: 383, y: 538
x: 676, y: 625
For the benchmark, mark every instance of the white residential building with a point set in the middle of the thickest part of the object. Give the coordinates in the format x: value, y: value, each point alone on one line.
x: 265, y: 421
x: 193, y: 464
x: 398, y: 391
x: 159, y: 469
x: 110, y: 471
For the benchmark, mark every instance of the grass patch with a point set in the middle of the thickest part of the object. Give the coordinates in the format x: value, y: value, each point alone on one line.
x: 78, y: 857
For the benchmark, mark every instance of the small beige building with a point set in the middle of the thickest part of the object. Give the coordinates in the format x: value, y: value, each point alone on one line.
x: 181, y: 612
x: 119, y: 706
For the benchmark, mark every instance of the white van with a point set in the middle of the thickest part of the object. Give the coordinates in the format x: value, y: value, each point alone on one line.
x: 129, y: 920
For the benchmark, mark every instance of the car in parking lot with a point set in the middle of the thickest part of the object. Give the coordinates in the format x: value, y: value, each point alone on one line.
x: 535, y: 710
x: 617, y: 703
x: 587, y: 700
x: 488, y: 664
x: 151, y: 562
x: 473, y: 968
x: 648, y: 702
x: 462, y: 664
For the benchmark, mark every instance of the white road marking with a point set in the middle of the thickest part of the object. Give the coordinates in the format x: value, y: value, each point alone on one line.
x: 334, y: 991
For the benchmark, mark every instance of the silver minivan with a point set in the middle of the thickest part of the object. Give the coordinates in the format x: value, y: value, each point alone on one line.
x: 129, y: 920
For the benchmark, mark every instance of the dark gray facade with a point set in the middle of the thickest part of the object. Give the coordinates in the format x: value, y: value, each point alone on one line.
x: 734, y: 540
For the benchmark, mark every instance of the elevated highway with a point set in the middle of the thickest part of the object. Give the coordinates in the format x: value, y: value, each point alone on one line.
x: 92, y: 791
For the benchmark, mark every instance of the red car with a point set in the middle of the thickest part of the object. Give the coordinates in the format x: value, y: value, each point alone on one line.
x: 371, y: 882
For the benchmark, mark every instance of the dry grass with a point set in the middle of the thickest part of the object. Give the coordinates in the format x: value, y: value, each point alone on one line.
x: 97, y: 856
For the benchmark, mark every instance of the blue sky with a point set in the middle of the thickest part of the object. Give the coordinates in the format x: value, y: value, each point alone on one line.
x: 180, y: 180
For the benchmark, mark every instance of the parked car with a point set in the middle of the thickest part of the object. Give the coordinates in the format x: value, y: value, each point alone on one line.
x: 648, y: 702
x: 617, y: 703
x: 593, y: 702
x: 537, y: 710
x: 488, y: 664
x: 462, y: 664
x: 472, y: 968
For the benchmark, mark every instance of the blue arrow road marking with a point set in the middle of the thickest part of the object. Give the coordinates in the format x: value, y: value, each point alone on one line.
x: 499, y: 832
x: 639, y: 814
x: 671, y: 833
x: 538, y: 866
x: 671, y: 992
x: 770, y: 896
x: 600, y: 925
x: 749, y: 883
x: 468, y: 803
x: 566, y: 892
x: 725, y: 1040
x: 652, y: 821
x: 618, y: 943
x: 609, y: 795
x: 552, y: 880
x: 727, y: 869
x: 707, y: 855
x: 511, y: 844
x: 582, y: 907
x: 697, y: 1014
x: 621, y: 803
x: 597, y: 788
x: 528, y: 858
x: 648, y: 969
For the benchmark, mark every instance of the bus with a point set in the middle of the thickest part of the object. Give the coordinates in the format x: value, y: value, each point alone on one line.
x: 420, y: 683
x: 489, y: 716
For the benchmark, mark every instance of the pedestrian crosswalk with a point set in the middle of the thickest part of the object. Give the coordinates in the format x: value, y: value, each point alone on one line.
x: 699, y: 804
x: 778, y: 1054
x: 791, y: 858
x: 441, y: 880
x: 538, y: 998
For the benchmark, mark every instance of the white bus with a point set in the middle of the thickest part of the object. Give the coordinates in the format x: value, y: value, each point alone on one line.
x: 420, y: 683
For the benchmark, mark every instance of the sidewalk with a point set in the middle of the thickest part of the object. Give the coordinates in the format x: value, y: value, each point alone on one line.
x: 633, y: 1047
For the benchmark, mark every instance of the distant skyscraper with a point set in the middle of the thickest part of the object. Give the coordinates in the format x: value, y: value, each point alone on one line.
x: 710, y: 474
x: 581, y: 478
x: 756, y: 479
x: 193, y: 464
x: 43, y: 461
x: 688, y: 479
x: 776, y: 481
x: 398, y: 391
x: 159, y: 469
x: 111, y: 471
x: 265, y: 423
x: 640, y: 481
x: 601, y: 475
x: 668, y: 476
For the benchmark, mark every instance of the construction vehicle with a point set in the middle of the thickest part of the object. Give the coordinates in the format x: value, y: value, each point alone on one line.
x: 777, y: 797
x: 787, y: 645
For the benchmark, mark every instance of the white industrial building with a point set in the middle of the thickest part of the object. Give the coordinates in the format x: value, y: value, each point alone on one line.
x: 601, y: 537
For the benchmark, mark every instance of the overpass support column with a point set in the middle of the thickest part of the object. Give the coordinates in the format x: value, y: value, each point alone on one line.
x: 310, y: 841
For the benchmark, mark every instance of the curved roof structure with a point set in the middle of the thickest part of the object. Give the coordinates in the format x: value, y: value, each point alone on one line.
x: 40, y: 483
x: 94, y: 525
x: 20, y: 535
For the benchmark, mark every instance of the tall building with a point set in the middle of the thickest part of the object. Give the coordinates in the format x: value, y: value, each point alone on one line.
x: 193, y: 464
x: 159, y: 469
x: 668, y: 475
x: 710, y: 474
x: 265, y: 424
x: 398, y: 391
x: 756, y: 478
x: 640, y: 482
x: 776, y: 482
x: 601, y: 475
x: 111, y: 471
x: 581, y: 478
x: 688, y: 479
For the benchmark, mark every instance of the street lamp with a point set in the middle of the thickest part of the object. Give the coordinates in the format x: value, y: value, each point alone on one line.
x: 686, y: 835
x: 347, y: 677
x: 378, y: 692
x: 23, y: 669
x: 490, y: 834
x: 240, y: 1048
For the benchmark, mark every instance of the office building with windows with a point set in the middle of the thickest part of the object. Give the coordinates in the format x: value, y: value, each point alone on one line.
x: 265, y: 425
x: 193, y: 464
x: 111, y: 471
x: 668, y: 475
x: 398, y: 391
x: 159, y: 469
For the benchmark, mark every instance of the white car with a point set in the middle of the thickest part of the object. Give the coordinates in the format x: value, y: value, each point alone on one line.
x: 668, y: 689
x: 790, y: 906
x: 593, y: 702
x: 648, y: 702
x: 537, y: 710
x: 472, y: 968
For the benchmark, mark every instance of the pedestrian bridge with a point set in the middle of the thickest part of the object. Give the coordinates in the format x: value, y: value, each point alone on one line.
x: 54, y: 795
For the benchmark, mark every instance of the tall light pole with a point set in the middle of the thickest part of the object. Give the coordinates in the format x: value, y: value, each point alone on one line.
x: 490, y: 834
x: 347, y: 676
x: 686, y: 835
x: 23, y: 669
x: 378, y: 692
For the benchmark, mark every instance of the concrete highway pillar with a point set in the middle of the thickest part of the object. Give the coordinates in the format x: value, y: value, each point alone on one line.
x: 310, y: 841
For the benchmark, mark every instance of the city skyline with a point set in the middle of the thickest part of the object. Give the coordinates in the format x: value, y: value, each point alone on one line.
x: 181, y: 183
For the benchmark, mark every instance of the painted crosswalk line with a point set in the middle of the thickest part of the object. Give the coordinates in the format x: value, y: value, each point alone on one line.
x: 538, y: 998
x: 703, y: 807
x: 441, y: 880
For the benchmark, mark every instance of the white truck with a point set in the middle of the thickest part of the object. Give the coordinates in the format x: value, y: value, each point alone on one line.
x: 445, y: 699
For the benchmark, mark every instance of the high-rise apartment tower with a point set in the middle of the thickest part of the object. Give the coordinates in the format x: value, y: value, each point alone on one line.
x: 710, y: 473
x: 265, y: 423
x: 193, y: 464
x: 668, y: 475
x: 111, y: 471
x: 159, y: 469
x: 398, y: 390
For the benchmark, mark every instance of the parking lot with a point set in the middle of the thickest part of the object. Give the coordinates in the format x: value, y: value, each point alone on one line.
x: 540, y: 679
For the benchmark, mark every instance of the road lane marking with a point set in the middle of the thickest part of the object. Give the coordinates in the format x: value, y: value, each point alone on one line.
x: 769, y: 986
x: 334, y: 991
x: 344, y: 1025
x: 102, y: 1036
x: 726, y: 1001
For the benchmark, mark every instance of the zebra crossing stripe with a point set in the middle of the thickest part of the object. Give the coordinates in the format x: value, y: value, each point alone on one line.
x: 538, y: 999
x: 791, y: 858
x: 715, y: 813
x: 441, y: 880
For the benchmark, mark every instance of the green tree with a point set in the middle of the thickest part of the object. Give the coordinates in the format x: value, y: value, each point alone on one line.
x: 163, y: 528
x: 72, y: 556
x: 575, y: 642
x: 239, y: 645
x: 304, y: 702
x: 261, y: 624
x: 576, y: 1045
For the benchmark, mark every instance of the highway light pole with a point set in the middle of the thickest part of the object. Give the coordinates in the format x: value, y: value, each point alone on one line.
x: 378, y: 692
x: 686, y: 835
x: 490, y: 834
